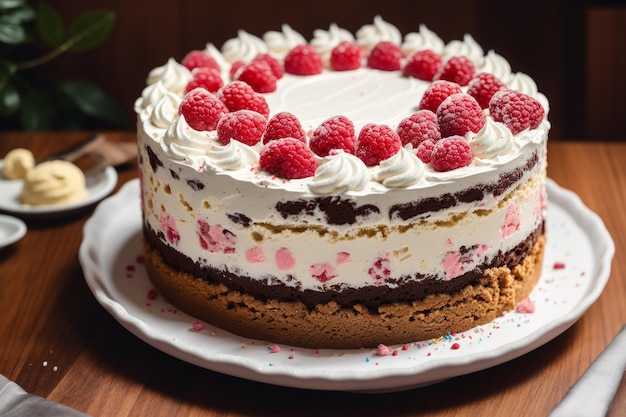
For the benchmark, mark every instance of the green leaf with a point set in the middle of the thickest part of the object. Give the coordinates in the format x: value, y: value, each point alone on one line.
x: 7, y: 69
x: 90, y: 29
x: 39, y: 111
x: 94, y: 102
x: 11, y: 31
x: 11, y: 4
x: 21, y: 14
x: 49, y: 25
x: 9, y: 100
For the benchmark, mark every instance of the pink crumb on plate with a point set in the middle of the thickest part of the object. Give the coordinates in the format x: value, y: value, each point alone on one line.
x: 526, y: 306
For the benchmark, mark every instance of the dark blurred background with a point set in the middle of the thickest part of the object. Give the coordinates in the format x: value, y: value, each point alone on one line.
x: 575, y: 50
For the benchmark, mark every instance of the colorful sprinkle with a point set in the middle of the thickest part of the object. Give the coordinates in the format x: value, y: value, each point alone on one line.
x: 455, y: 346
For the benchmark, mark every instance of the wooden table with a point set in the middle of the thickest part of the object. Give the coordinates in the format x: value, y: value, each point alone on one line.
x: 49, y: 317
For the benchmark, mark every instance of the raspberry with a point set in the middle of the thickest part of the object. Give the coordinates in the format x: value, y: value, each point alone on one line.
x: 483, y: 87
x: 303, y: 60
x: 422, y: 65
x: 199, y: 59
x: 288, y: 158
x: 201, y: 109
x: 419, y: 127
x: 259, y: 75
x: 284, y: 125
x: 376, y: 143
x: 346, y: 56
x: 334, y: 133
x: 458, y: 114
x: 273, y: 63
x: 385, y: 56
x: 238, y: 95
x: 245, y: 126
x: 436, y: 93
x: 458, y: 69
x: 206, y: 77
x: 425, y: 150
x: 451, y: 153
x: 235, y: 69
x: 516, y: 110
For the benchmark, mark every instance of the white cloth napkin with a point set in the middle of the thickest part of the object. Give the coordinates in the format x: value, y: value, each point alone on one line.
x: 15, y: 402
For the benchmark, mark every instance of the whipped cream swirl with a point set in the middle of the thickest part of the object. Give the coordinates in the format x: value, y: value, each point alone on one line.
x: 468, y: 47
x: 151, y: 94
x: 173, y: 75
x: 497, y: 65
x: 183, y: 143
x: 233, y: 156
x: 339, y: 172
x: 492, y: 140
x: 212, y: 51
x: 245, y: 47
x: 325, y: 40
x: 369, y: 35
x: 424, y: 39
x: 280, y: 43
x: 401, y: 170
x: 165, y: 111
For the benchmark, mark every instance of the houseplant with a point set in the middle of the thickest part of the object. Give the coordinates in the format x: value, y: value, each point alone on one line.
x: 30, y: 98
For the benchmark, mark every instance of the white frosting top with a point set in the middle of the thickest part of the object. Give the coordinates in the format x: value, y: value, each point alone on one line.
x: 369, y: 35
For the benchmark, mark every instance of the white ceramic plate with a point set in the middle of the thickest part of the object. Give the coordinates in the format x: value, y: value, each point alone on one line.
x: 576, y: 269
x: 99, y: 185
x: 12, y: 229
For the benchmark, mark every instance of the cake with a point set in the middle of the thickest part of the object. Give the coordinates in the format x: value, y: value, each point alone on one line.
x: 345, y: 191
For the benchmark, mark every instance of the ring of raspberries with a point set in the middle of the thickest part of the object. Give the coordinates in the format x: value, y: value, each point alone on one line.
x: 452, y: 107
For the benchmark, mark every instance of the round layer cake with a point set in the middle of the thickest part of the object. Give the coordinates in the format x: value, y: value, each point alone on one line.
x: 346, y: 191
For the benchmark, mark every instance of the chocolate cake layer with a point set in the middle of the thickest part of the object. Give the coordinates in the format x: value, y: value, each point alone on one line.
x: 417, y: 287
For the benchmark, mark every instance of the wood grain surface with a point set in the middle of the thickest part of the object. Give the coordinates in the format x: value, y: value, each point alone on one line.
x: 56, y: 341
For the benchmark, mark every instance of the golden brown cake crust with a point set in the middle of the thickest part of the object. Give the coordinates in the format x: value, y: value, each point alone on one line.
x: 329, y: 326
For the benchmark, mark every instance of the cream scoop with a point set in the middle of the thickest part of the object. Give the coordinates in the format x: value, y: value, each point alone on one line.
x: 17, y: 162
x: 53, y: 183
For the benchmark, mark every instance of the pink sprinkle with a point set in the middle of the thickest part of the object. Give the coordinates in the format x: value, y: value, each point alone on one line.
x: 152, y: 294
x: 275, y: 349
x: 405, y: 347
x: 558, y: 265
x: 526, y: 306
x: 455, y: 346
x: 140, y: 259
x: 130, y: 267
x: 290, y: 356
x: 198, y: 326
x: 383, y: 350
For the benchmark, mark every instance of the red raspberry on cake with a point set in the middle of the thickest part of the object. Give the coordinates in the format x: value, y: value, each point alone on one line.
x: 245, y: 126
x: 205, y: 77
x: 422, y: 65
x: 436, y: 93
x: 199, y: 59
x: 235, y: 68
x: 458, y: 114
x: 237, y: 95
x: 259, y: 75
x: 303, y: 60
x: 385, y: 56
x: 346, y: 56
x: 419, y: 127
x: 516, y: 110
x: 458, y: 69
x: 376, y: 143
x: 273, y: 63
x: 483, y: 86
x: 451, y: 153
x: 201, y: 109
x: 334, y: 133
x: 284, y: 125
x: 288, y: 158
x: 425, y: 151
